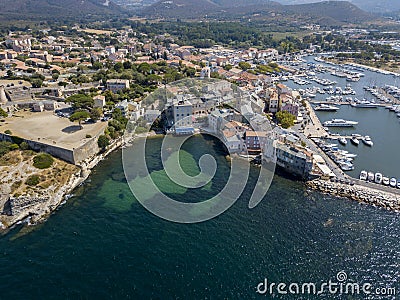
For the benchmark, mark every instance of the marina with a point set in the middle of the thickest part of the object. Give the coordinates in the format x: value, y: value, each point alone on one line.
x: 373, y: 103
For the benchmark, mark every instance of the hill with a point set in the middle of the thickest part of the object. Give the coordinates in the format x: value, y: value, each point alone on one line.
x: 55, y: 9
x: 330, y: 12
x: 374, y: 6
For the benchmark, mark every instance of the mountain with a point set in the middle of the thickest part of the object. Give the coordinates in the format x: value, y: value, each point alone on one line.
x: 375, y: 6
x: 55, y: 9
x: 328, y: 12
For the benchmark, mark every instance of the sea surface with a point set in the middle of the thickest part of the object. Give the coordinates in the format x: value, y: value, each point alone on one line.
x: 102, y: 244
x: 380, y: 124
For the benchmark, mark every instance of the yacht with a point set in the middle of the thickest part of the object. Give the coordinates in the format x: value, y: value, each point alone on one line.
x: 398, y: 184
x: 367, y: 141
x: 340, y: 123
x: 371, y: 176
x: 378, y: 178
x: 355, y: 141
x: 363, y: 175
x: 343, y: 141
x: 325, y: 107
x: 393, y: 182
x: 364, y: 104
x: 386, y: 181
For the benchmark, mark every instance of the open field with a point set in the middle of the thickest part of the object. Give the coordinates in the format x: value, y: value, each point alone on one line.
x: 45, y: 127
x: 97, y: 31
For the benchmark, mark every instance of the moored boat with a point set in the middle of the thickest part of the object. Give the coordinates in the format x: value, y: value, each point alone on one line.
x: 378, y: 178
x: 355, y: 141
x: 367, y: 141
x: 340, y: 123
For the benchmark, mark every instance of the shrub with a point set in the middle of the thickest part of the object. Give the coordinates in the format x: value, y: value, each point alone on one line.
x: 43, y: 161
x: 88, y: 136
x: 8, y: 131
x: 32, y: 180
x: 24, y: 146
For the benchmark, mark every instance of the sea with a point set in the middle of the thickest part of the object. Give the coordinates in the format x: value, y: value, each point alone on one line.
x: 380, y: 124
x: 103, y: 244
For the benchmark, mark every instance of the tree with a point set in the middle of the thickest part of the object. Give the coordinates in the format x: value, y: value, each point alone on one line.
x: 80, y: 115
x: 103, y: 141
x: 95, y: 114
x: 244, y: 65
x: 37, y: 83
x: 285, y: 118
x: 81, y: 101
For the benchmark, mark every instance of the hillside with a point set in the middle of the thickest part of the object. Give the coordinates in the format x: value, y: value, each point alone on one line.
x: 55, y: 9
x: 330, y: 12
x: 374, y: 6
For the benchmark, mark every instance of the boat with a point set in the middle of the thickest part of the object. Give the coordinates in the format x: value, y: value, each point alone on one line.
x: 363, y: 175
x: 355, y: 141
x: 340, y: 123
x: 371, y: 176
x: 398, y: 184
x: 367, y: 141
x: 325, y: 107
x: 346, y: 166
x: 343, y: 141
x: 385, y: 181
x: 393, y: 182
x: 378, y: 178
x: 364, y: 104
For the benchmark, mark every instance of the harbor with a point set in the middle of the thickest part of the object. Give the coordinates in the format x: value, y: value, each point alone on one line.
x: 362, y: 122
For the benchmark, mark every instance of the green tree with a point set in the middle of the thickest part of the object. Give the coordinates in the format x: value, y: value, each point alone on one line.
x: 79, y: 116
x: 103, y: 141
x: 244, y: 65
x: 285, y: 118
x: 95, y: 114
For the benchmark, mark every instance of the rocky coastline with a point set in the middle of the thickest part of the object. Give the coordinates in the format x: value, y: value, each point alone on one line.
x: 361, y: 194
x: 34, y: 210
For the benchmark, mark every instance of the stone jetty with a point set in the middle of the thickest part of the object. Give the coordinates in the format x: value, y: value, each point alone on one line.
x: 362, y: 194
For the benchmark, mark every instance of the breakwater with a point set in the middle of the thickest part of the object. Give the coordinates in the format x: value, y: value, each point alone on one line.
x: 362, y: 194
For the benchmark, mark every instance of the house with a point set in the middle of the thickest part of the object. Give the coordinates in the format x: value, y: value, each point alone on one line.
x: 151, y: 115
x: 99, y: 101
x: 182, y: 113
x: 123, y: 106
x: 115, y: 85
x: 255, y: 141
x: 232, y: 141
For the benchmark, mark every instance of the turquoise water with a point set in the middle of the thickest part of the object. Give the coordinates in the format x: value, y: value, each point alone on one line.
x: 104, y: 244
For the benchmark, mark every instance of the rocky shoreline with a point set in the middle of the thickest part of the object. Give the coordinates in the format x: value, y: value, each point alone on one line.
x: 33, y: 210
x: 361, y: 194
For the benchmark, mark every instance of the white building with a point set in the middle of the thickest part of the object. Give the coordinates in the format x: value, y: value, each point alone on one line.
x: 182, y: 112
x: 115, y: 85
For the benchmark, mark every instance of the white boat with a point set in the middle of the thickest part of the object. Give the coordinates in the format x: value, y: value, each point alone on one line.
x: 346, y: 166
x: 378, y: 178
x: 343, y: 141
x: 325, y: 107
x: 371, y: 176
x: 364, y: 104
x: 355, y: 141
x: 340, y: 123
x: 398, y: 184
x: 393, y: 182
x: 363, y: 175
x: 367, y: 141
x: 386, y: 180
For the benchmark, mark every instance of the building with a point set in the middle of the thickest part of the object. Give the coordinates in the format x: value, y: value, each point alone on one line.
x: 151, y: 115
x: 99, y: 101
x: 115, y: 85
x: 293, y: 159
x: 255, y: 141
x: 182, y: 113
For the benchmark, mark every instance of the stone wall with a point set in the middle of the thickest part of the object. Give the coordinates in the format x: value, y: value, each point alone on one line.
x: 75, y: 156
